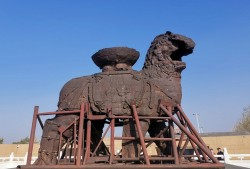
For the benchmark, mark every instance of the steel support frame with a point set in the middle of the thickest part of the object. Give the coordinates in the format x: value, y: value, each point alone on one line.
x: 36, y: 117
x: 84, y: 156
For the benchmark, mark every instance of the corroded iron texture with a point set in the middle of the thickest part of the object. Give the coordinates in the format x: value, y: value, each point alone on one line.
x: 116, y: 87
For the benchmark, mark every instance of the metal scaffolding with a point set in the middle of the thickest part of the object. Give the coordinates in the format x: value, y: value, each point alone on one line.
x: 78, y: 153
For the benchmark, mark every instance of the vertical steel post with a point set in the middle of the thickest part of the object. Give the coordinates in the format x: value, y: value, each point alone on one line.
x: 32, y: 135
x: 80, y: 135
x: 112, y: 140
x: 75, y: 157
x: 83, y: 145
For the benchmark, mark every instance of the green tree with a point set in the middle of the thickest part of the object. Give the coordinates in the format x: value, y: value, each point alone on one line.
x: 244, y: 123
x: 1, y: 140
x: 23, y: 141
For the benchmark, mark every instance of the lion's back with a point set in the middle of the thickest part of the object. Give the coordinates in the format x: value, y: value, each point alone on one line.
x: 73, y: 93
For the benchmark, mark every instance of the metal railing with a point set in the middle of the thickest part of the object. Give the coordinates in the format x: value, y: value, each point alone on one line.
x: 230, y: 158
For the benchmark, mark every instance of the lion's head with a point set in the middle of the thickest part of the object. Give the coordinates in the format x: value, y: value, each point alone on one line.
x: 168, y: 48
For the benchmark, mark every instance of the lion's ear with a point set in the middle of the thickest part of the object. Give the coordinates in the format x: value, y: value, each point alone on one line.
x: 168, y: 33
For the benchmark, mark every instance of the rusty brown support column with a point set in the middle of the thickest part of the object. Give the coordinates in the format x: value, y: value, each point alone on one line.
x: 194, y: 132
x: 32, y: 135
x: 174, y: 148
x: 141, y: 137
x: 75, y: 141
x: 83, y: 145
x: 194, y: 139
x: 86, y: 110
x: 80, y: 135
x: 112, y: 140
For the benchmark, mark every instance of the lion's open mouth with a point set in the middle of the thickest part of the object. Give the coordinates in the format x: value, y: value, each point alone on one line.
x: 176, y: 58
x: 184, y: 47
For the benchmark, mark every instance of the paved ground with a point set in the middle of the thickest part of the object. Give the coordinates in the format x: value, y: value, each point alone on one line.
x: 239, y: 163
x: 229, y: 166
x: 7, y: 165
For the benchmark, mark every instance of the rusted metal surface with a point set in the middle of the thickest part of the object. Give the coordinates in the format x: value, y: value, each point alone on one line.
x: 32, y: 135
x: 138, y: 101
x: 117, y: 161
x: 80, y: 135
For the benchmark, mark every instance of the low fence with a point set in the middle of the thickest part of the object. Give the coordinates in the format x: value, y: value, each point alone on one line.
x: 12, y: 158
x: 228, y: 158
x: 242, y: 160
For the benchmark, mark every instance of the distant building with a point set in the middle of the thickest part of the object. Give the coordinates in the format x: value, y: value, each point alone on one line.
x: 235, y: 142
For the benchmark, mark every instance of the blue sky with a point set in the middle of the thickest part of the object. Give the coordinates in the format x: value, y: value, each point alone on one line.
x: 43, y: 44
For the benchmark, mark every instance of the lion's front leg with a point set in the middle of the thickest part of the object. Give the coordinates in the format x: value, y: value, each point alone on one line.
x: 48, y: 151
x: 132, y: 148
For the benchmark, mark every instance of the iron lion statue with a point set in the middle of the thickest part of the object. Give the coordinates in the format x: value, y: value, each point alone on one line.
x: 116, y: 86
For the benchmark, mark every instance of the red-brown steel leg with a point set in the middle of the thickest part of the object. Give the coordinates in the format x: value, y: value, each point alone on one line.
x: 32, y: 135
x: 80, y: 135
x: 195, y: 133
x: 112, y: 140
x: 194, y: 139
